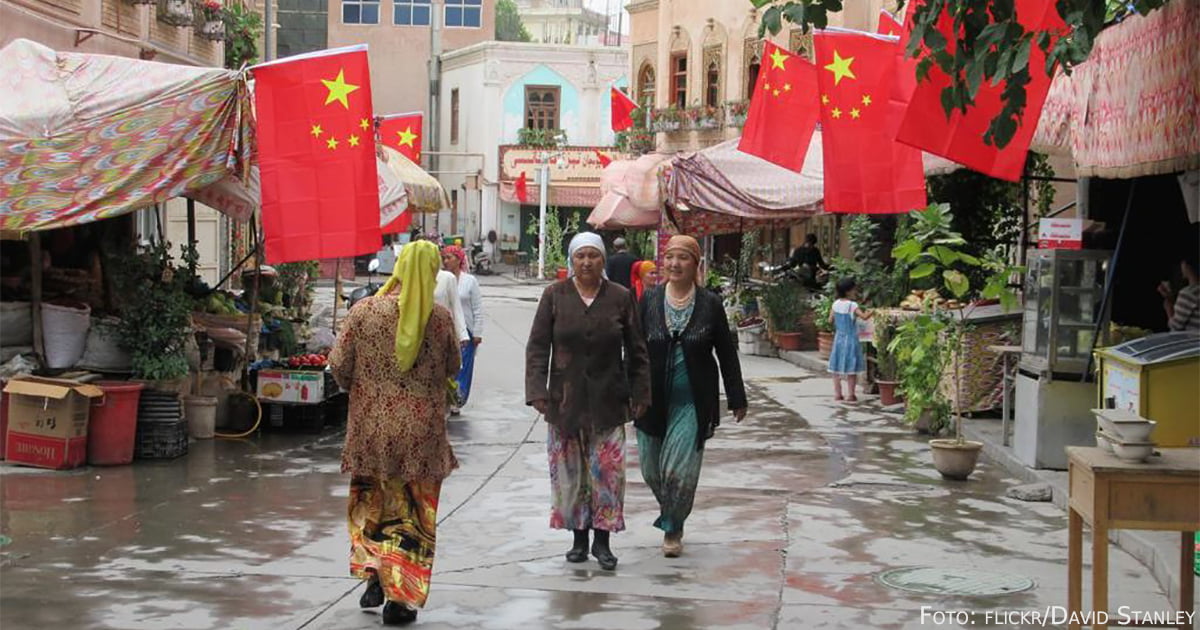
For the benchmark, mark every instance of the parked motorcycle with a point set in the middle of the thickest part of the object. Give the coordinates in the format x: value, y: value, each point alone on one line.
x: 370, y: 288
x: 481, y: 262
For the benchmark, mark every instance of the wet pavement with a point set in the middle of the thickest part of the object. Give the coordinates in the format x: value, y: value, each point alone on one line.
x: 801, y: 508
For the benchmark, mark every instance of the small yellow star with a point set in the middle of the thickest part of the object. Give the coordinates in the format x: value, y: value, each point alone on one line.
x: 866, y: 99
x: 837, y: 113
x: 778, y: 58
x: 339, y: 89
x: 787, y: 87
x: 407, y: 136
x: 824, y: 99
x: 775, y: 92
x: 854, y: 113
x: 841, y: 68
x: 766, y: 85
x: 365, y: 124
x: 353, y: 140
x: 317, y: 131
x: 332, y: 143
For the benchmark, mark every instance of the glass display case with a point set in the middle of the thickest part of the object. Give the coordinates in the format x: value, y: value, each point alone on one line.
x: 1064, y: 292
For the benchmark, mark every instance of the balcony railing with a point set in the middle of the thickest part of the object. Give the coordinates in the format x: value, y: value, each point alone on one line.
x: 672, y: 119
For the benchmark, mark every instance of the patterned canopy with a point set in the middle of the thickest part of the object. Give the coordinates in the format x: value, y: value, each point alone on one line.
x: 85, y: 137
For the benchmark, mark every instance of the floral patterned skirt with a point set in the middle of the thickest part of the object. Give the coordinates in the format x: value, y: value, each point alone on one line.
x: 587, y: 478
x: 393, y: 527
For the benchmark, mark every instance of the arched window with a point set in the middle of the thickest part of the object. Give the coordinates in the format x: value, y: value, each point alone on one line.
x: 752, y: 73
x: 541, y: 107
x: 712, y: 84
x: 645, y: 86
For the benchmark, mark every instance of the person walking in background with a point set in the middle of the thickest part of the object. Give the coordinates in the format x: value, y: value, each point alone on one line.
x: 620, y: 264
x: 587, y: 372
x: 643, y: 276
x: 454, y: 260
x: 445, y: 294
x: 846, y: 360
x: 395, y: 353
x: 685, y: 327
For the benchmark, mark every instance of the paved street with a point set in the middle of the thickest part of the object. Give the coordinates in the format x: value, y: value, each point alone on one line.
x: 800, y: 510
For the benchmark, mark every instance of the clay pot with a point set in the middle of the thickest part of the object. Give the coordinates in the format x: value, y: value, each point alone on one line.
x: 887, y: 393
x: 790, y: 340
x: 824, y: 344
x: 953, y: 459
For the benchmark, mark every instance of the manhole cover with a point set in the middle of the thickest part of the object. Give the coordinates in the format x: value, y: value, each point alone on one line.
x: 946, y: 581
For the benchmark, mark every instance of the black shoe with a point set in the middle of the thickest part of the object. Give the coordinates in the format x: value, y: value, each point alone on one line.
x: 373, y: 596
x: 579, y: 551
x: 397, y: 614
x: 604, y: 556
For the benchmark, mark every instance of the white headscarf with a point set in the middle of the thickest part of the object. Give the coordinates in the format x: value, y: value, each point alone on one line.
x: 581, y: 240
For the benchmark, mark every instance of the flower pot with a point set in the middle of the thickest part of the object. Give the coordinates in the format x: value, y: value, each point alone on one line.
x: 175, y: 12
x: 955, y: 460
x: 789, y: 340
x: 824, y: 343
x: 212, y: 30
x: 562, y: 273
x: 887, y: 393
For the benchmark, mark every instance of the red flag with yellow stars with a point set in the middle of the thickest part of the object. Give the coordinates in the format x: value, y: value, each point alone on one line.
x: 403, y: 133
x: 783, y: 111
x: 866, y: 170
x: 960, y: 137
x: 316, y: 156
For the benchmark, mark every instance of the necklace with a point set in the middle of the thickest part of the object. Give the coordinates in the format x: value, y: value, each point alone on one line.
x: 680, y: 302
x: 679, y: 311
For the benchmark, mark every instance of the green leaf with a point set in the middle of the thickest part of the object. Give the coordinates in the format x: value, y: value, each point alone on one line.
x: 1021, y: 60
x: 944, y: 255
x: 758, y: 4
x: 969, y: 259
x: 907, y: 251
x: 922, y: 270
x: 794, y: 13
x: 772, y: 20
x: 956, y: 282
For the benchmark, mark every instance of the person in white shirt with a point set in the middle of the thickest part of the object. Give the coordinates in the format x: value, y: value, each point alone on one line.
x: 446, y: 294
x: 454, y: 260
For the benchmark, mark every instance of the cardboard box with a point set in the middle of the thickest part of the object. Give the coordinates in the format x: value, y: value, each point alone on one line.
x: 291, y: 386
x: 47, y: 421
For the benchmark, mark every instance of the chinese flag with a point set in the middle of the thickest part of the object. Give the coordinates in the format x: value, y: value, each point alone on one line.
x: 521, y: 188
x: 905, y: 76
x: 960, y: 138
x: 320, y: 190
x: 783, y: 109
x: 622, y: 110
x: 403, y: 133
x: 866, y: 170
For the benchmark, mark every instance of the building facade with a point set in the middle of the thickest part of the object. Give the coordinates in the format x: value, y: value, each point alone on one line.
x: 563, y: 22
x: 398, y: 34
x: 499, y: 99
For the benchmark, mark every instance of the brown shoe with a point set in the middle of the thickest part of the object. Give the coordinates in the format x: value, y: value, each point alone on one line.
x: 673, y: 545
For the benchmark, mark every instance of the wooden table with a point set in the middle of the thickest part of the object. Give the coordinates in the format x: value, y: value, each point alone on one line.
x: 1161, y: 494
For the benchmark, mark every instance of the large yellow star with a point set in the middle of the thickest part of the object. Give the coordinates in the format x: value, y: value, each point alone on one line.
x: 339, y: 89
x: 407, y: 136
x: 316, y: 131
x: 353, y: 140
x: 841, y: 68
x: 778, y: 58
x: 332, y: 143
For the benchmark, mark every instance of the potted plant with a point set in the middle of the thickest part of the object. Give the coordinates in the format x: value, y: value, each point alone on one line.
x: 822, y: 305
x: 211, y: 20
x: 667, y: 119
x: 735, y: 113
x: 926, y: 344
x: 786, y: 310
x: 887, y: 372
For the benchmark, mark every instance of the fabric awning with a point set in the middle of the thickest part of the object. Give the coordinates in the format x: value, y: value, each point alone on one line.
x: 1133, y: 108
x: 423, y: 191
x: 631, y: 197
x: 85, y: 137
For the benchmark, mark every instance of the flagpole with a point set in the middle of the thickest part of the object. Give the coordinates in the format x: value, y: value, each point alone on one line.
x: 543, y: 181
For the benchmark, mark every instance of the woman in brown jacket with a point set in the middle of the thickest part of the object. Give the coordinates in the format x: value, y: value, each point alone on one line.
x: 396, y: 355
x: 586, y: 343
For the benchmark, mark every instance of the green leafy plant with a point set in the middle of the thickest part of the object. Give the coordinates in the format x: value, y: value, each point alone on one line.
x: 542, y: 138
x: 556, y: 229
x: 509, y: 27
x: 785, y: 306
x: 925, y: 344
x: 885, y: 359
x: 243, y: 29
x: 989, y: 45
x: 155, y: 309
x: 822, y: 306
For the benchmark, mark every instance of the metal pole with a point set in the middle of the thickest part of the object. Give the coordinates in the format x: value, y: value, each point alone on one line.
x: 191, y: 229
x: 543, y: 186
x: 337, y: 291
x: 435, y: 83
x: 1102, y: 316
x: 620, y: 23
x: 269, y: 30
x: 35, y: 292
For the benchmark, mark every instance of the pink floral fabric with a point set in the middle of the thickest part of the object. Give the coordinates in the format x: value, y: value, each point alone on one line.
x: 587, y: 478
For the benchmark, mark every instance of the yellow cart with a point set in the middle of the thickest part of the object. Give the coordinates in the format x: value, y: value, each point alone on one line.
x: 1156, y: 377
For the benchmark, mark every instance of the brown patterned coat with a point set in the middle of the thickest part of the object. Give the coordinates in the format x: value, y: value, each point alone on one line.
x: 397, y: 421
x: 589, y: 362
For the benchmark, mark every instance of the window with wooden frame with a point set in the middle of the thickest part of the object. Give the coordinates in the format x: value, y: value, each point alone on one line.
x: 646, y: 85
x: 679, y: 67
x: 454, y: 116
x: 753, y: 57
x: 712, y: 76
x: 541, y: 106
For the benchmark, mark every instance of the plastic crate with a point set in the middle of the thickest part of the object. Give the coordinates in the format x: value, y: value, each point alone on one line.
x: 294, y: 418
x: 161, y: 440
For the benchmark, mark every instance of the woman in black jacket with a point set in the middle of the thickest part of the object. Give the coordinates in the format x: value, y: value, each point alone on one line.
x: 685, y: 326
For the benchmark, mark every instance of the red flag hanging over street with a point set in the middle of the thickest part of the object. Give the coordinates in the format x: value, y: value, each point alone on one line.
x: 783, y: 109
x: 866, y: 170
x: 320, y: 190
x: 960, y: 138
x: 622, y: 110
x: 522, y: 188
x: 604, y: 159
x: 905, y: 76
x: 403, y: 133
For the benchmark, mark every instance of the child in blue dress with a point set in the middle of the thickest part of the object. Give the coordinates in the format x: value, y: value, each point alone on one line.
x: 846, y: 360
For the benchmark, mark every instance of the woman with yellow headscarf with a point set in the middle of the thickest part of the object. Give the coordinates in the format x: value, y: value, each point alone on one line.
x: 395, y: 354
